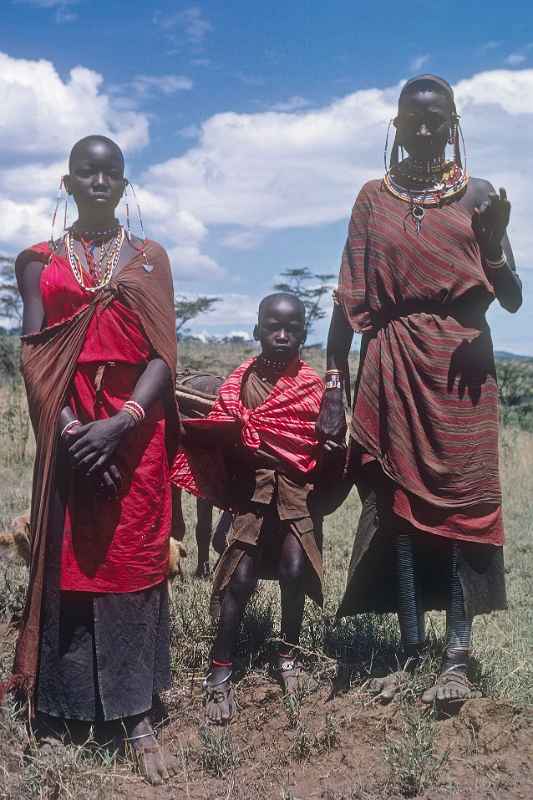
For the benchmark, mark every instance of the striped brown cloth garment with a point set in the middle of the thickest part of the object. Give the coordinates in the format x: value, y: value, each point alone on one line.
x: 426, y: 404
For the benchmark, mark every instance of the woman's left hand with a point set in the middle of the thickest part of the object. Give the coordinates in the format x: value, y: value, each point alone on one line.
x: 94, y: 444
x: 489, y: 223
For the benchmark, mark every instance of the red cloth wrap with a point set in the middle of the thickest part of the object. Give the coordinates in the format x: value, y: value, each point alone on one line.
x: 118, y: 545
x: 284, y: 425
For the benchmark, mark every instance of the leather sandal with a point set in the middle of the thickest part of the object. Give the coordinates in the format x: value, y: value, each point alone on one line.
x: 219, y: 701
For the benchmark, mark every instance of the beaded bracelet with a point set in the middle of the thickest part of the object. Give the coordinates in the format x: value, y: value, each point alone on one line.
x: 135, y: 410
x: 69, y: 426
x: 333, y: 379
x: 497, y: 263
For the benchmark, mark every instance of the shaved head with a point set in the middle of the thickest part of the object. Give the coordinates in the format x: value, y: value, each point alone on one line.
x: 281, y: 299
x: 89, y: 146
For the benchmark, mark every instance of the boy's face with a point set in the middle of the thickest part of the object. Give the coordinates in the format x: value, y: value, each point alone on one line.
x: 280, y: 329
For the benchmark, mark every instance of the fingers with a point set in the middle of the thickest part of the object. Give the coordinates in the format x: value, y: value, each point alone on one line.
x: 98, y: 465
x: 115, y: 474
x: 79, y: 444
x: 76, y: 433
x: 107, y: 485
x: 330, y: 445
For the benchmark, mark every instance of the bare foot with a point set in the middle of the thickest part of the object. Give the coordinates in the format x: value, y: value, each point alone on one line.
x: 149, y: 756
x: 451, y: 688
x: 219, y: 697
x: 389, y: 686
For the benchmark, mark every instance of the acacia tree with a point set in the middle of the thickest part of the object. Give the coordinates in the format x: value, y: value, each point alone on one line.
x: 310, y: 287
x: 188, y: 309
x: 10, y: 299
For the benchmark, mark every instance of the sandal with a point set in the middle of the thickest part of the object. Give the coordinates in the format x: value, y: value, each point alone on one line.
x: 219, y: 701
x: 293, y: 677
x: 451, y: 688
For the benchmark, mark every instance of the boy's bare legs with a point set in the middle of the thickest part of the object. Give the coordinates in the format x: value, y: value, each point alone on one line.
x: 220, y: 705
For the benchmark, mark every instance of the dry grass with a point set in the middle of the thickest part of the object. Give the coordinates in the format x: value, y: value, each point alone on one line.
x: 502, y: 643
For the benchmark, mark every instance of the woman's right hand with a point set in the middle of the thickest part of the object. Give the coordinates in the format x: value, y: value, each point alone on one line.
x: 331, y: 422
x: 106, y: 482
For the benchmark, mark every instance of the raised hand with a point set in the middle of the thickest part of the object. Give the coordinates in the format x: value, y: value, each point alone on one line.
x: 489, y: 223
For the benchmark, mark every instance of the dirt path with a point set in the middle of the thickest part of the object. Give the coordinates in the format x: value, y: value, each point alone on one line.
x: 347, y: 748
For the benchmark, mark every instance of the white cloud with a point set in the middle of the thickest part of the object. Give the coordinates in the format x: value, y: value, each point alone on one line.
x: 191, y: 24
x: 43, y: 115
x: 271, y: 170
x: 294, y: 103
x: 243, y: 239
x: 418, y: 62
x: 244, y: 176
x: 515, y: 59
x: 165, y: 84
x: 63, y: 8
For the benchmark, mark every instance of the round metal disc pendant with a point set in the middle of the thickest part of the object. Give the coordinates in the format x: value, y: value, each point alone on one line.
x: 418, y: 213
x: 148, y: 267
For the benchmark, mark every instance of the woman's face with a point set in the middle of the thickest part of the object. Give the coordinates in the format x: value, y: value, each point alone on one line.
x: 96, y: 178
x: 423, y: 123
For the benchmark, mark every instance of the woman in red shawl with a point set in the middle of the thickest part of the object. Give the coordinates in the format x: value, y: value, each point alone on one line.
x: 426, y: 254
x: 98, y: 358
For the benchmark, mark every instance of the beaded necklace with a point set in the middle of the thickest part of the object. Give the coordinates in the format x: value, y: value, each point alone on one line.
x: 269, y: 365
x: 101, y: 273
x: 436, y: 189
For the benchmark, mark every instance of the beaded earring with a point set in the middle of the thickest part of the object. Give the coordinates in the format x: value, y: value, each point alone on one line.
x: 62, y: 195
x: 395, y: 151
x: 455, y: 139
x: 386, y: 149
x: 129, y: 185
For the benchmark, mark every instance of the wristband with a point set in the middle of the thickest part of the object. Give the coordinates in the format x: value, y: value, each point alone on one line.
x: 497, y: 263
x: 69, y: 426
x: 135, y: 410
x: 333, y: 380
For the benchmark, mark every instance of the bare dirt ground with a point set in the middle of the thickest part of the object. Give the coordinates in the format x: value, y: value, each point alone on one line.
x: 322, y: 746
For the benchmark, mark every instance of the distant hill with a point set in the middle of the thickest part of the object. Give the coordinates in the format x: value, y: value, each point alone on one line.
x: 503, y: 355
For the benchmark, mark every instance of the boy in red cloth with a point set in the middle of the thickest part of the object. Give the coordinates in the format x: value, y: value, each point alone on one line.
x: 266, y: 415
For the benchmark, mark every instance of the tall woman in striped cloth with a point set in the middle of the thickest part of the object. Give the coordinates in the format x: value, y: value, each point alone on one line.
x: 426, y: 255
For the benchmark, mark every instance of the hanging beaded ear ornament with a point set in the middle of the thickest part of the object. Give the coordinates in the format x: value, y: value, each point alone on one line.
x: 146, y: 266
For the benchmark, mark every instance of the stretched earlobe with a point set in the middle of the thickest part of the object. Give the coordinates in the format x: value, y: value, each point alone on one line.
x: 256, y: 333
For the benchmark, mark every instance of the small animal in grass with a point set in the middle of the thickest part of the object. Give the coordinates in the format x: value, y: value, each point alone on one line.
x: 16, y: 542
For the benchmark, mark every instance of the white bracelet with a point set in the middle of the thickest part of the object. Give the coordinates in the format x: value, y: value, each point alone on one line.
x: 68, y: 426
x: 498, y: 263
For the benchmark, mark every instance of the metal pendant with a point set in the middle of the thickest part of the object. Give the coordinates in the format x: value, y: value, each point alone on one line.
x: 148, y: 267
x: 418, y: 213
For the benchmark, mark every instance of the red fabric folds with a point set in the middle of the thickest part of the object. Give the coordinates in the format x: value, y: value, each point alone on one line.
x: 284, y: 425
x: 49, y: 363
x: 116, y: 545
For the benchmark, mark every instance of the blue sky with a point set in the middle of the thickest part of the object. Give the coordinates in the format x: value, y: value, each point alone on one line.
x: 249, y: 128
